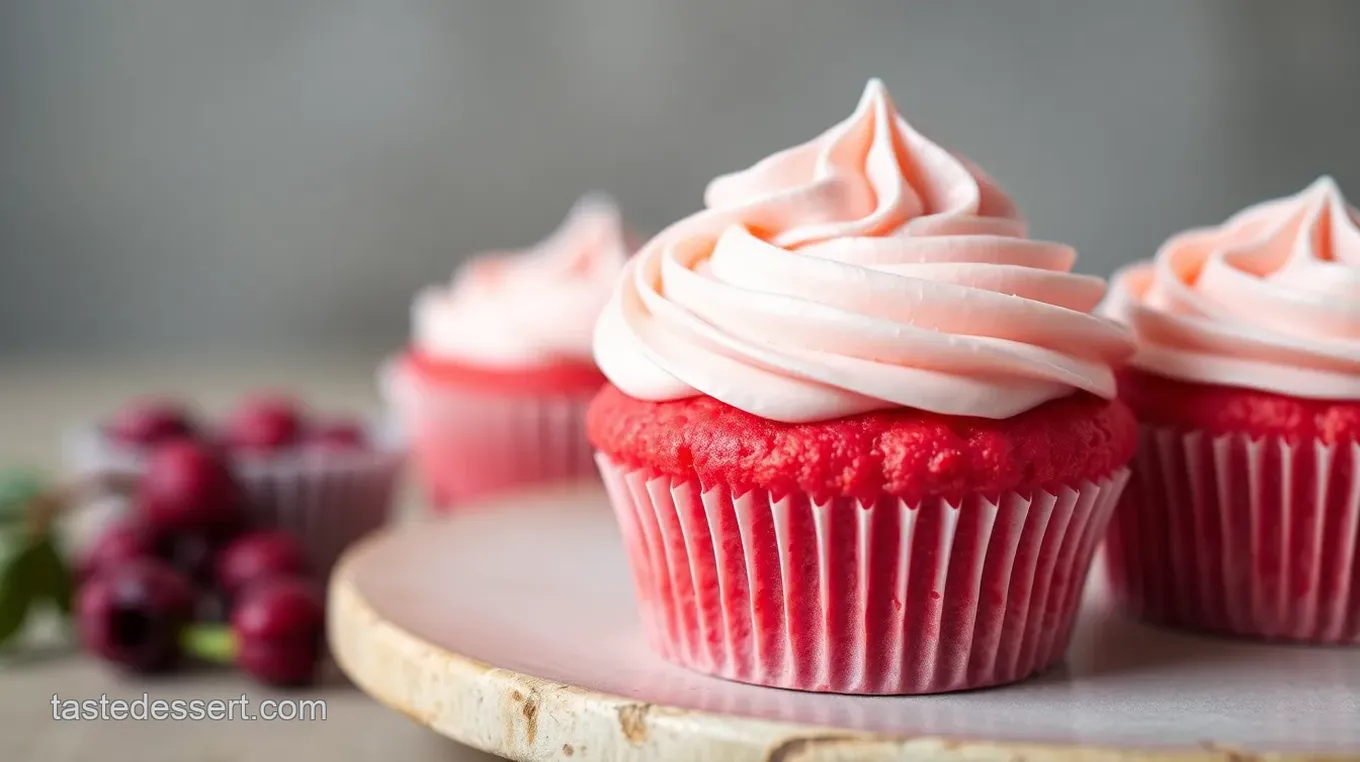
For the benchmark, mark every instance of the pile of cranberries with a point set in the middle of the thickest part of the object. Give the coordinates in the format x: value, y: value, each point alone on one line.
x: 185, y: 555
x: 265, y: 424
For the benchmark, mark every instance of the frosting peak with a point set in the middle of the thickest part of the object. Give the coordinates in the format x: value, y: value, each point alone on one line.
x: 539, y: 305
x: 1268, y: 300
x: 866, y: 269
x: 870, y: 175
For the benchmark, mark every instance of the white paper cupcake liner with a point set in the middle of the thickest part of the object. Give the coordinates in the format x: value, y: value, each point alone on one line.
x: 467, y: 445
x: 326, y: 499
x: 1239, y: 535
x: 848, y: 597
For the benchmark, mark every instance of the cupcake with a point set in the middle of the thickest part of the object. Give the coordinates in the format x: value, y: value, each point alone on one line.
x: 494, y: 385
x: 1243, y: 514
x: 861, y: 433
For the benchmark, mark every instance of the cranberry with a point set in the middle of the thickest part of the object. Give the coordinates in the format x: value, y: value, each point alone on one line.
x: 150, y: 422
x: 259, y: 556
x: 339, y: 435
x: 122, y: 541
x: 194, y: 555
x: 133, y: 614
x: 191, y: 553
x: 278, y: 625
x: 263, y: 424
x: 186, y: 487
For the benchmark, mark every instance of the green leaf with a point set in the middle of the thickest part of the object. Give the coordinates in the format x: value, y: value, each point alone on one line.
x: 213, y: 643
x: 16, y: 590
x: 51, y: 579
x: 17, y: 491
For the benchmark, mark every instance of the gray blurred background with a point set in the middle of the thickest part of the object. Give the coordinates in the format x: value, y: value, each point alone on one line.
x: 190, y: 174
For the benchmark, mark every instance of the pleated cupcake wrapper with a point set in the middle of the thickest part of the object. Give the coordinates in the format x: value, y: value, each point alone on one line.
x: 328, y: 505
x: 848, y: 597
x: 467, y: 445
x: 1238, y: 535
x: 327, y: 500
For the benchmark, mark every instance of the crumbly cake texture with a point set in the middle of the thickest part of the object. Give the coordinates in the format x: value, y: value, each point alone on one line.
x: 1161, y: 401
x: 903, y: 453
x: 560, y: 377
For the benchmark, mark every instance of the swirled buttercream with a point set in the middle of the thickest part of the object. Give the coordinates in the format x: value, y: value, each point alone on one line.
x: 864, y: 270
x: 1268, y: 300
x: 515, y: 309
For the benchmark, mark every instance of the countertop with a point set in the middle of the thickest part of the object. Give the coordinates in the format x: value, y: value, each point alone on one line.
x: 39, y: 398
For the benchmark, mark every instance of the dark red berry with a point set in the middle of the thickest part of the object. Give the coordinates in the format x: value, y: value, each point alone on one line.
x: 279, y: 626
x: 339, y: 435
x: 121, y: 541
x: 133, y: 614
x: 263, y: 424
x: 192, y: 553
x: 186, y: 487
x: 150, y: 422
x: 259, y: 556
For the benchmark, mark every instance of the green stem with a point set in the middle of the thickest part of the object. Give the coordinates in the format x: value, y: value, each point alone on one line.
x: 213, y: 643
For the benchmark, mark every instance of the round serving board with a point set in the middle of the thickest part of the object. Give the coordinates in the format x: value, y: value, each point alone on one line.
x: 511, y: 628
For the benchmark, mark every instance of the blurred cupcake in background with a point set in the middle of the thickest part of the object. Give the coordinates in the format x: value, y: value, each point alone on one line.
x: 493, y: 387
x: 326, y: 480
x: 861, y: 434
x: 1243, y: 514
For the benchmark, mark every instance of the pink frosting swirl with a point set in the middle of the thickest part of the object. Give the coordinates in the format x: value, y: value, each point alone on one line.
x: 513, y: 309
x: 1269, y: 300
x: 864, y: 270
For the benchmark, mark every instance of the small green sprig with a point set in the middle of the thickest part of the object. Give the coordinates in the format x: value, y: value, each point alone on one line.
x: 33, y: 570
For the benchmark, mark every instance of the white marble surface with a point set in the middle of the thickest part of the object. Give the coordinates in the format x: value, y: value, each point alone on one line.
x: 38, y: 398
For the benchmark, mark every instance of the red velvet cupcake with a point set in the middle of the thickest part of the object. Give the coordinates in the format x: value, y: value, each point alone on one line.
x: 861, y: 433
x: 494, y: 386
x: 1243, y: 516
